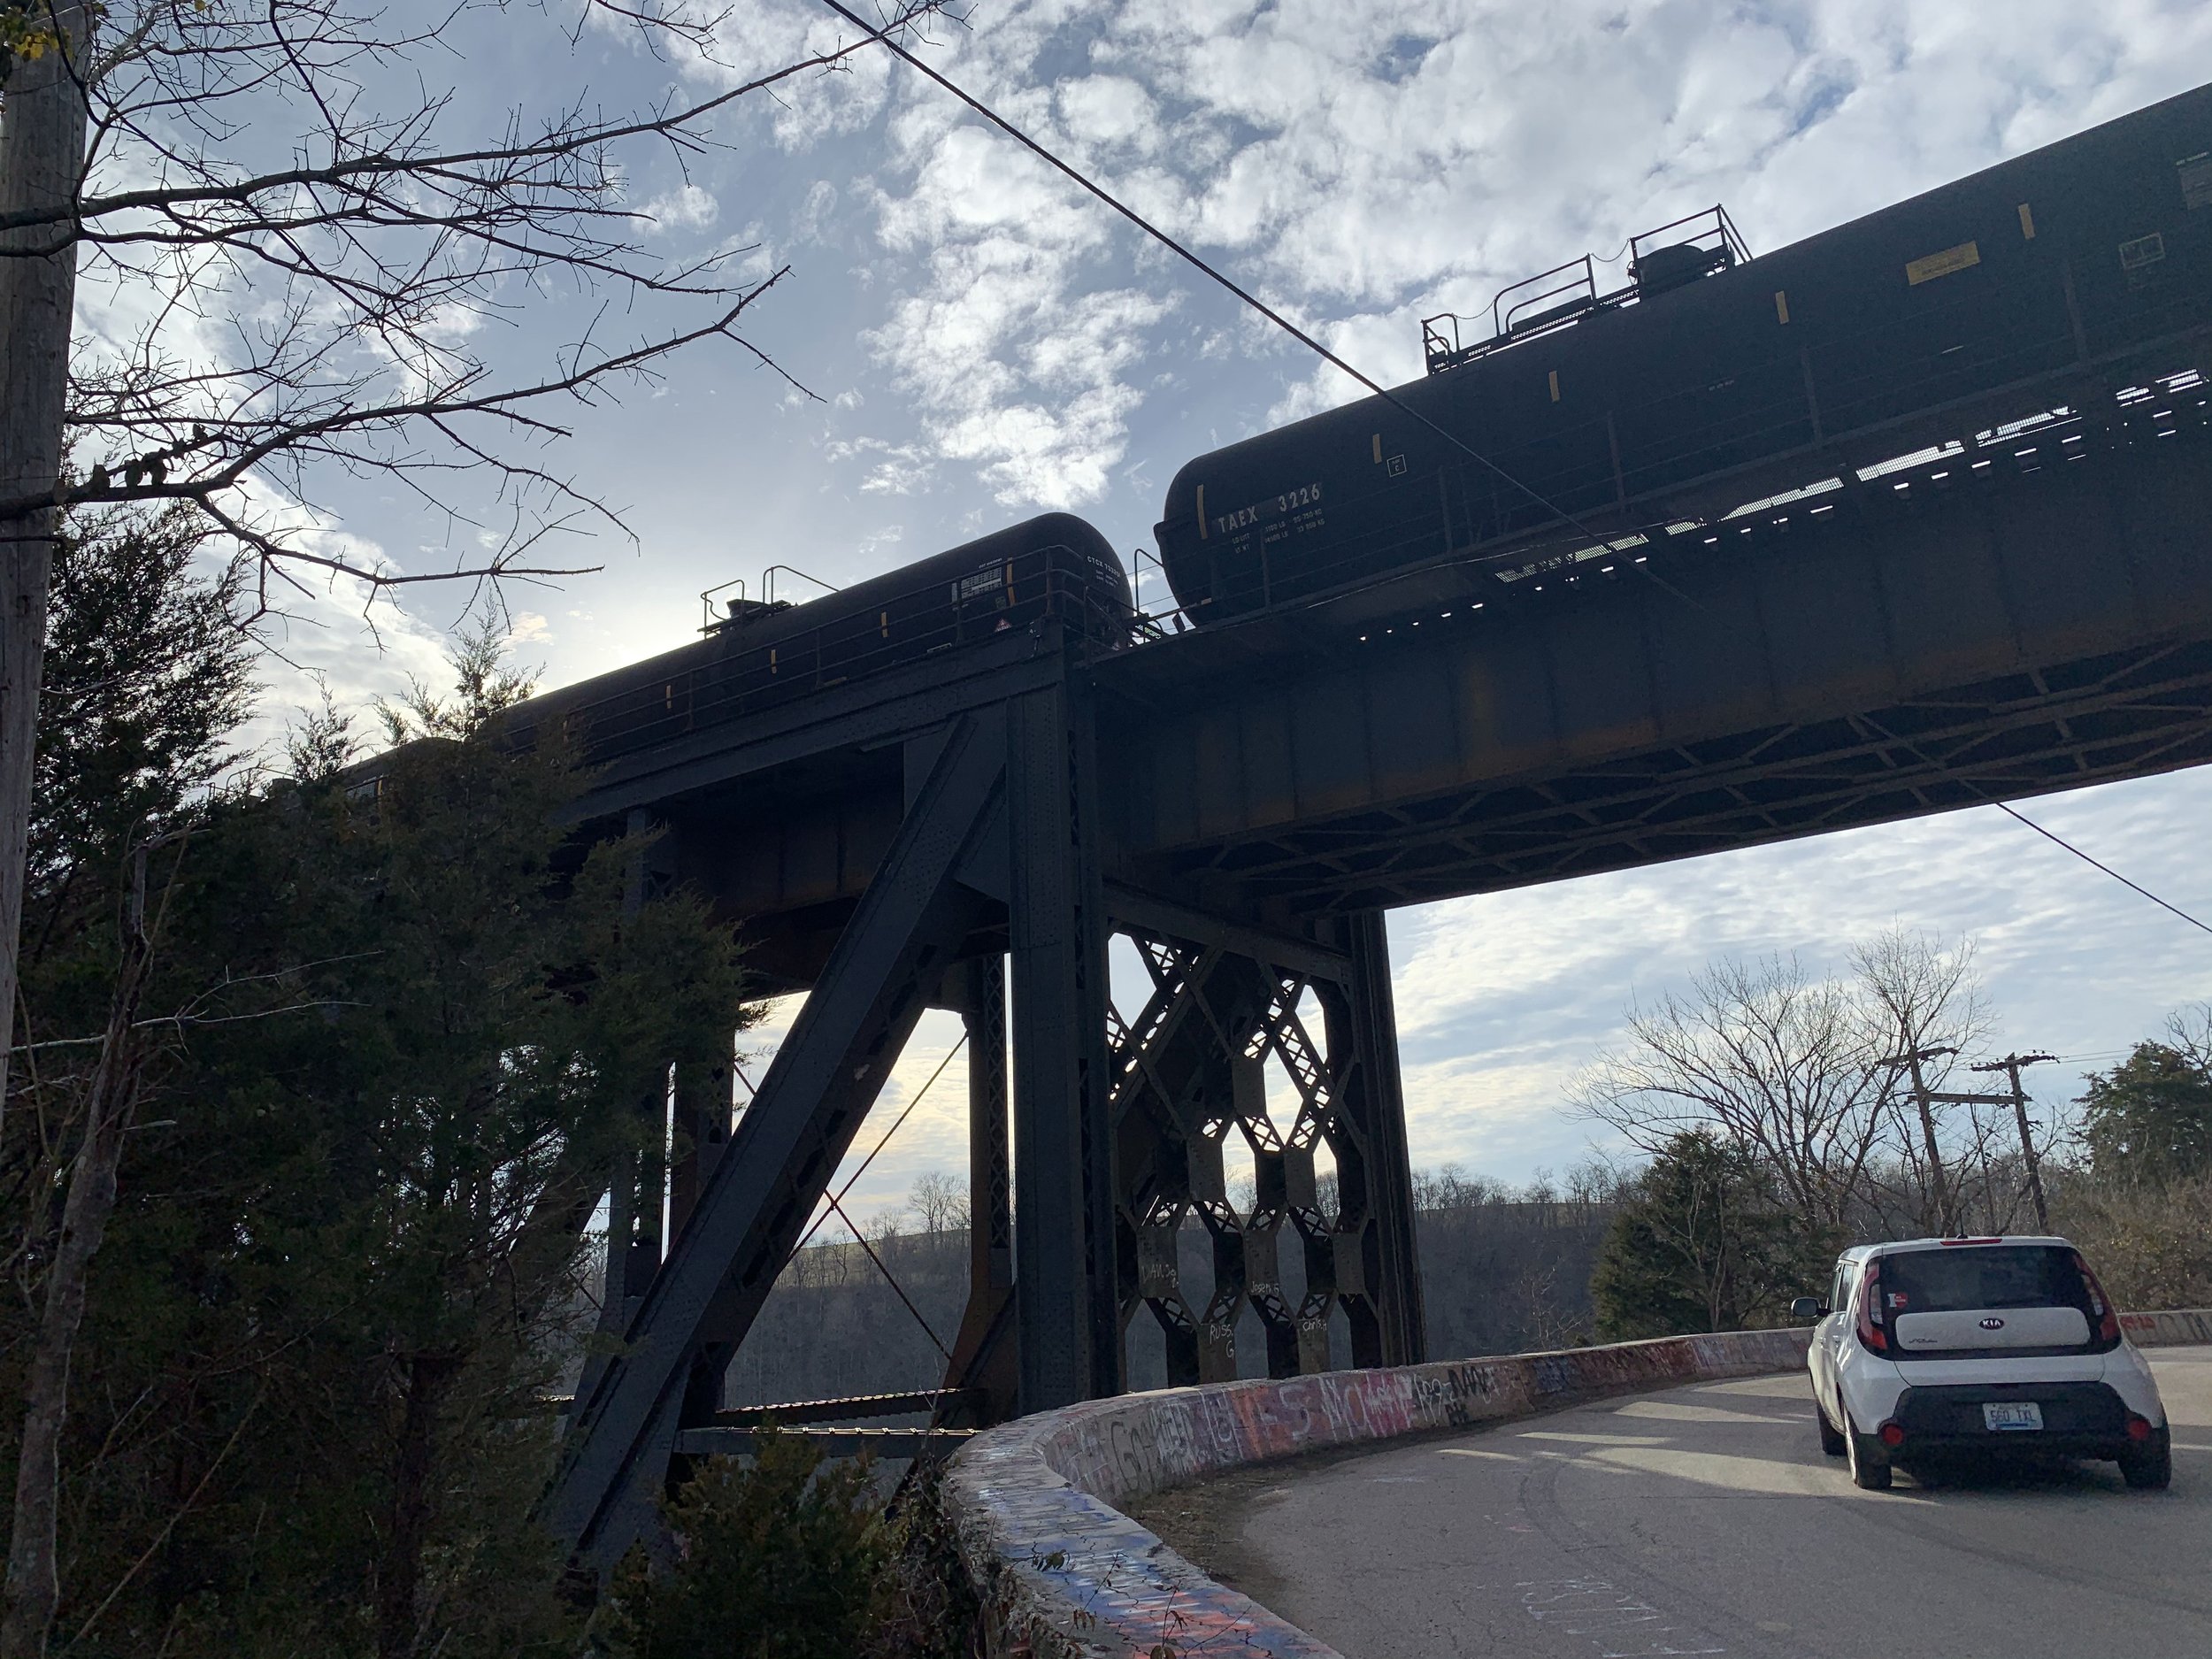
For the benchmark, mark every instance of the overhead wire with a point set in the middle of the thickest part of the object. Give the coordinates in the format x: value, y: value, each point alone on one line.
x: 1987, y: 799
x: 2052, y: 835
x: 860, y: 1239
x: 883, y: 35
x: 854, y: 1179
x: 833, y: 1202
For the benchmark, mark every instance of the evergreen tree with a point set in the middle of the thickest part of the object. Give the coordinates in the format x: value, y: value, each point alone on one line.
x: 785, y: 1559
x: 148, y: 677
x: 1702, y: 1242
x: 2149, y: 1118
x: 405, y: 1028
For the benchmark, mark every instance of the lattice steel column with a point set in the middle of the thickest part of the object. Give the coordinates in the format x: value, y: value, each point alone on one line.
x: 1162, y: 1169
x: 1298, y: 1342
x: 1379, y: 1275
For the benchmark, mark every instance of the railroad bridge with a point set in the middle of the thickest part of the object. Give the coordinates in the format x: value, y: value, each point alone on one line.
x: 1993, y: 617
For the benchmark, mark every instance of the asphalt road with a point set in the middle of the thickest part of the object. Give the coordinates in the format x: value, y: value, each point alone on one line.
x: 1706, y: 1521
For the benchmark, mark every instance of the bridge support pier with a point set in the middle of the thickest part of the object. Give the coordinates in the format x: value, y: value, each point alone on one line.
x: 991, y: 897
x: 1190, y: 1071
x: 1064, y: 1289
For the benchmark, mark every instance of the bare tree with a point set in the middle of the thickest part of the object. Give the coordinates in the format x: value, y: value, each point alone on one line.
x: 310, y: 229
x: 1808, y: 1073
x: 1779, y: 1062
x: 940, y: 1201
x: 41, y: 137
x: 1927, y: 1012
x: 2189, y: 1035
x: 32, y: 1587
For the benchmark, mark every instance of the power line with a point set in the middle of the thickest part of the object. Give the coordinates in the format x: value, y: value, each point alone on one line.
x: 860, y: 1239
x: 2107, y: 869
x: 883, y: 35
x: 1925, y: 759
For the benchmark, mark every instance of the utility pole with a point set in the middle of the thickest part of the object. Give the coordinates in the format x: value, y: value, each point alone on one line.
x: 2010, y: 1066
x: 1911, y: 1059
x: 41, y: 152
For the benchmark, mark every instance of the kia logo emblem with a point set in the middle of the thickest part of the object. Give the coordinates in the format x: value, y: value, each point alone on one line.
x: 1993, y: 1324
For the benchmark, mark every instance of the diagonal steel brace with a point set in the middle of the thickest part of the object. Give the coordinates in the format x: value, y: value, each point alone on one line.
x: 826, y: 1074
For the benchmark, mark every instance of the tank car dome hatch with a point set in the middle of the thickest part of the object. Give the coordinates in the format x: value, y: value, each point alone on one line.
x: 744, y: 610
x: 1676, y: 266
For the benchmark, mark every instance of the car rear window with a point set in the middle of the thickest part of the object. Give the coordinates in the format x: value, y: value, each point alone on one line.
x: 1974, y: 1276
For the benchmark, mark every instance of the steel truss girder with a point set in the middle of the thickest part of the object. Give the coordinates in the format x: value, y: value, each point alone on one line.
x: 2025, y: 634
x: 750, y: 1207
x: 1888, y: 762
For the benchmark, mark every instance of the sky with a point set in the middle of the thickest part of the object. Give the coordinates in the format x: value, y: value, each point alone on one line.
x: 978, y: 343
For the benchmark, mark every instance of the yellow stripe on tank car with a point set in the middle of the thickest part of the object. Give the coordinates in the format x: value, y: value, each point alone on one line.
x: 1928, y: 267
x: 1781, y: 306
x: 1555, y: 386
x: 1201, y: 512
x: 2027, y: 224
x: 1378, y: 448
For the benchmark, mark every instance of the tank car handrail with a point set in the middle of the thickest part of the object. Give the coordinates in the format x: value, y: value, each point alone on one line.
x: 1585, y: 286
x: 1723, y: 227
x: 768, y: 580
x: 1509, y: 323
x: 707, y: 620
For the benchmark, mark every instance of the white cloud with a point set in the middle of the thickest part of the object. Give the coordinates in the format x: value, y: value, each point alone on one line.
x: 688, y: 207
x: 1371, y: 164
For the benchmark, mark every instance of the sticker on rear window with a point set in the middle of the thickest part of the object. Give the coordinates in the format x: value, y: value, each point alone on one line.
x: 2195, y: 173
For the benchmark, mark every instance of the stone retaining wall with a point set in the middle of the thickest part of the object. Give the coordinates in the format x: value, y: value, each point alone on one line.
x: 1065, y: 1575
x: 2180, y: 1327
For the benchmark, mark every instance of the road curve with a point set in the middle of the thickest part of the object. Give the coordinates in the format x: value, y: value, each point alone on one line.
x: 1705, y: 1520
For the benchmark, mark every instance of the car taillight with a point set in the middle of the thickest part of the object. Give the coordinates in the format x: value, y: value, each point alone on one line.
x: 1892, y: 1434
x: 2139, y: 1428
x: 1870, y: 1322
x: 2108, y: 1316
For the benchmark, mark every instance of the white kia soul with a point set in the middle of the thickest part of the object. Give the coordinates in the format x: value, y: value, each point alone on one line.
x: 1947, y: 1345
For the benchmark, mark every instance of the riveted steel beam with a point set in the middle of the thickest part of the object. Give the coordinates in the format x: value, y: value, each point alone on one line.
x: 1064, y: 1149
x: 2038, y: 626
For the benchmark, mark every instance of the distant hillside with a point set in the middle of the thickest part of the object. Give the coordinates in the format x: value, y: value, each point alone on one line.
x: 1499, y: 1277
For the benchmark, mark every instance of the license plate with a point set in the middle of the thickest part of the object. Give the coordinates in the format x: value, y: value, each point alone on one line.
x: 2012, y: 1414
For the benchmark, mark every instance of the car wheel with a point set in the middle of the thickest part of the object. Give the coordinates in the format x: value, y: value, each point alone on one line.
x: 1870, y: 1470
x: 2151, y: 1468
x: 1831, y: 1437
